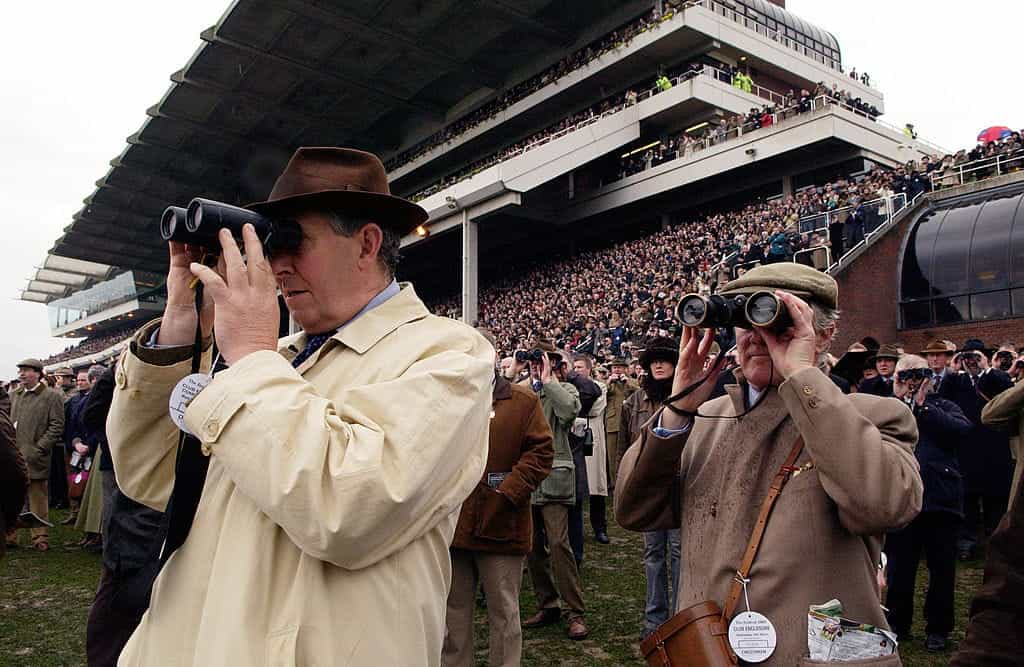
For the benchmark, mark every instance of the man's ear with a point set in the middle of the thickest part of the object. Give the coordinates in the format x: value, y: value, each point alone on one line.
x: 370, y: 238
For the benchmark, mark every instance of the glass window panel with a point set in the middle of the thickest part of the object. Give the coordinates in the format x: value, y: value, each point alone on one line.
x: 917, y: 259
x: 917, y: 313
x: 1017, y: 247
x: 991, y: 305
x: 952, y: 248
x: 951, y: 309
x: 990, y: 261
x: 1017, y: 296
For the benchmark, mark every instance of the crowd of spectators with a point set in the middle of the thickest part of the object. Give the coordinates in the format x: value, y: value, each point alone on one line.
x: 614, y: 40
x: 93, y: 344
x: 599, y: 300
x: 978, y: 163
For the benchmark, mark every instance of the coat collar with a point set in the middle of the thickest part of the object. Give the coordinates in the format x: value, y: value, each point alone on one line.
x: 502, y: 388
x: 366, y: 331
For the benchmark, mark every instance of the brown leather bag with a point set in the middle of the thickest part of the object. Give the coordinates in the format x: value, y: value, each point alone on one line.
x: 698, y: 636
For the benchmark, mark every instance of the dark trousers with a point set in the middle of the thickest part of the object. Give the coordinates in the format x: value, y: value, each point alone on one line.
x: 935, y: 534
x: 112, y: 620
x: 576, y: 530
x: 598, y: 515
x: 980, y: 512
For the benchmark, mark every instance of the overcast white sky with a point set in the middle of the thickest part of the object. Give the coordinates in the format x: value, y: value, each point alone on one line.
x: 77, y: 78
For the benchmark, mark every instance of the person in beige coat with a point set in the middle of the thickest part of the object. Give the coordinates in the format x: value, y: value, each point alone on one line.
x: 706, y: 466
x: 339, y: 456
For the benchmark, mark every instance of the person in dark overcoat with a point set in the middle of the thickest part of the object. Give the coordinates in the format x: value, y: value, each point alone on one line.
x: 985, y: 460
x: 941, y: 427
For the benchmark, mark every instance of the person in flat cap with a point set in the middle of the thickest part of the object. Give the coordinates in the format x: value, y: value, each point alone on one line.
x: 338, y: 456
x: 37, y: 412
x: 884, y: 360
x: 620, y: 388
x: 985, y: 459
x: 845, y: 464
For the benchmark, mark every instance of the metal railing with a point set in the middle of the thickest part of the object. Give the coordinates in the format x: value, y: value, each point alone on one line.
x: 762, y: 28
x: 885, y: 207
x: 813, y: 253
x: 647, y: 93
x: 977, y: 170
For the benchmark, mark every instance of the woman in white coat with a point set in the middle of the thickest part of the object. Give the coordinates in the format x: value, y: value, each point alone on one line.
x: 597, y: 462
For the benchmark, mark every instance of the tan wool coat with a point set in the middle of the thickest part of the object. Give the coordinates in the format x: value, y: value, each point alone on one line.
x: 332, y: 495
x: 858, y: 479
x: 38, y: 416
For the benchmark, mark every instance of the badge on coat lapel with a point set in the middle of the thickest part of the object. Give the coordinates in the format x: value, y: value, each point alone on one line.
x: 183, y: 393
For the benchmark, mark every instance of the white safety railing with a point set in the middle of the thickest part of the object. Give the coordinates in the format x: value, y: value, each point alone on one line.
x: 819, y: 257
x: 977, y: 170
x: 884, y: 206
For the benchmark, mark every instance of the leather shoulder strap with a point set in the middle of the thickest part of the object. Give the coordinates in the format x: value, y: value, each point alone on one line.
x: 780, y: 480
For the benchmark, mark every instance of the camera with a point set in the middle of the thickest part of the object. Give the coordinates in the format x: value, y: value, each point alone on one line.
x: 1004, y: 360
x: 536, y: 355
x: 200, y: 223
x: 910, y: 374
x: 760, y: 309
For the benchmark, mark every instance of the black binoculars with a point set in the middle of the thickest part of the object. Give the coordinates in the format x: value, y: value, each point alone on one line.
x: 536, y: 354
x: 908, y: 374
x: 200, y: 223
x: 760, y: 309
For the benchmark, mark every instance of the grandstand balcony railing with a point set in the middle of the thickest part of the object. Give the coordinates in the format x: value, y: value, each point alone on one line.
x: 978, y: 170
x: 707, y: 71
x: 879, y: 212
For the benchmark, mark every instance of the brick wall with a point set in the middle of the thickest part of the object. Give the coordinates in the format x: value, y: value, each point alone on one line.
x: 869, y: 298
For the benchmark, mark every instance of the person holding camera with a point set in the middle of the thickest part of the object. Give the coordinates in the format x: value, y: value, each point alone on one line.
x: 552, y: 566
x: 942, y: 428
x: 620, y: 387
x: 338, y: 457
x: 985, y: 460
x: 844, y: 463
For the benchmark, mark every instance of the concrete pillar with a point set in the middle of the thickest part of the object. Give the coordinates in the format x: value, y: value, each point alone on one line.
x: 470, y: 270
x: 666, y: 221
x: 787, y: 186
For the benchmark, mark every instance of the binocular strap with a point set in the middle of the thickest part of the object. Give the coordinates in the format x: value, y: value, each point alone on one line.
x: 190, y: 466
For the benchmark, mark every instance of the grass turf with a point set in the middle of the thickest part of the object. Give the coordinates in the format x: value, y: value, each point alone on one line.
x: 45, y: 598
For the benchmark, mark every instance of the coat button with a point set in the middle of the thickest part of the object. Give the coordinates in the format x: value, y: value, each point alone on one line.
x: 211, y: 428
x: 120, y: 379
x: 807, y: 390
x: 812, y: 402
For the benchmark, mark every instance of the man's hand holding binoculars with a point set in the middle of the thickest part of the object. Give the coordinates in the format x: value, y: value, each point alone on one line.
x: 178, y: 326
x: 692, y: 366
x: 246, y: 317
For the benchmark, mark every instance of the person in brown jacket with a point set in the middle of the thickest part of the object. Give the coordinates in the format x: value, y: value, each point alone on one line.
x: 38, y: 415
x: 495, y: 528
x: 13, y: 472
x: 707, y: 465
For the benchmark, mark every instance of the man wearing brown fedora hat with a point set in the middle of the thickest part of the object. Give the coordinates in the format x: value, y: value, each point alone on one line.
x: 938, y: 354
x: 338, y: 457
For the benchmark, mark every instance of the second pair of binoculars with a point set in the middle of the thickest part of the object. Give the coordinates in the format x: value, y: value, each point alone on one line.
x: 536, y: 355
x: 746, y: 311
x: 200, y: 223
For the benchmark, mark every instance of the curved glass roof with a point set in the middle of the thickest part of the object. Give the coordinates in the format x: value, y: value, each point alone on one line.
x: 772, y: 11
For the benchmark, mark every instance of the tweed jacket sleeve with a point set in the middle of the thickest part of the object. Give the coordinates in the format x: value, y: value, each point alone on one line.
x: 54, y: 422
x: 863, y: 450
x: 1004, y: 410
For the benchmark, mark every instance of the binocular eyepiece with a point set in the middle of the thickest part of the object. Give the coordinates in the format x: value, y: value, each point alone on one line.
x: 201, y: 222
x: 536, y: 354
x: 760, y: 309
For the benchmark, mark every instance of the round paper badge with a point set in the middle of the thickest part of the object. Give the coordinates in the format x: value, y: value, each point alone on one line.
x: 752, y: 636
x: 183, y: 393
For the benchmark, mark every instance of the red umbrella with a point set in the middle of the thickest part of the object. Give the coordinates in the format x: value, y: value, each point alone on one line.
x: 994, y: 133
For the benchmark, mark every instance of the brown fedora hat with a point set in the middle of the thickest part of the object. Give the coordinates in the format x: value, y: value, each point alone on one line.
x: 346, y: 179
x: 939, y: 347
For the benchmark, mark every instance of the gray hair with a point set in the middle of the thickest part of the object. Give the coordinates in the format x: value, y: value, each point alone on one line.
x: 96, y: 371
x: 391, y: 242
x: 824, y: 317
x: 908, y: 361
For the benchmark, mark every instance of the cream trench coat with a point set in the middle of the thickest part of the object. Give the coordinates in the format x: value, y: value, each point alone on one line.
x: 332, y: 495
x: 597, y: 465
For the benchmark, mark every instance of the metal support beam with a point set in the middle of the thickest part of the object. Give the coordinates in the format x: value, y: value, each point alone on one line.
x: 470, y: 269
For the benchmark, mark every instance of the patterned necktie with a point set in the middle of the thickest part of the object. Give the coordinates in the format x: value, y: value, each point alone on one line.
x: 313, y: 343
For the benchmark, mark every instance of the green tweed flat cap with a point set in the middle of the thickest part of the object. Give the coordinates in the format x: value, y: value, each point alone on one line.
x: 797, y: 279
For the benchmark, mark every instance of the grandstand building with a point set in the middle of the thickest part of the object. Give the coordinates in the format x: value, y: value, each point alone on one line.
x: 528, y: 130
